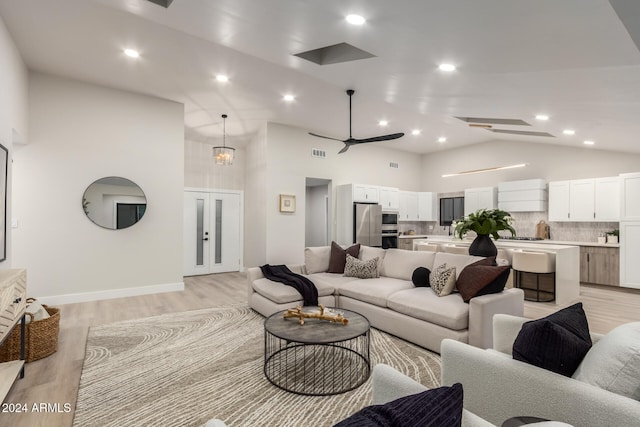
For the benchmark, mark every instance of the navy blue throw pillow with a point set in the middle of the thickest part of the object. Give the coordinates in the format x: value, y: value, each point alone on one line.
x: 557, y: 342
x: 438, y: 407
x: 420, y: 277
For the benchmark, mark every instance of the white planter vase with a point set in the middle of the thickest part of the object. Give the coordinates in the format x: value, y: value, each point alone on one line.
x: 612, y: 239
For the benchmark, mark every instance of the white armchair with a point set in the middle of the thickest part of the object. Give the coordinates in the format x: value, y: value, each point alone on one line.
x: 497, y: 387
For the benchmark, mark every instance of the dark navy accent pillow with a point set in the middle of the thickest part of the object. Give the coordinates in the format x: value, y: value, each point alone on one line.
x: 438, y: 407
x: 557, y: 342
x: 420, y: 277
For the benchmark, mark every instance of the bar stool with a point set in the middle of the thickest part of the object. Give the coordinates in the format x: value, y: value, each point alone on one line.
x: 540, y: 265
x: 430, y: 247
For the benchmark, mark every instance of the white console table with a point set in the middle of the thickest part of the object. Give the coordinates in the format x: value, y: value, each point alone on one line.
x: 13, y: 302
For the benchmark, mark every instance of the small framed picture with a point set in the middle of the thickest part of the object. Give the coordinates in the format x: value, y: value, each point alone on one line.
x: 287, y: 203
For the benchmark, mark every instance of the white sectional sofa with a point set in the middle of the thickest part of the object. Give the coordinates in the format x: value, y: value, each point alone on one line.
x: 391, y: 302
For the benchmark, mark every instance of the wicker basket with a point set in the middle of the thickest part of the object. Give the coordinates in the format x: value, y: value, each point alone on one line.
x: 40, y: 338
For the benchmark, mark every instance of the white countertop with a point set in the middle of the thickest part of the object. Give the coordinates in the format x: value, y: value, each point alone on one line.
x: 446, y: 239
x: 413, y: 236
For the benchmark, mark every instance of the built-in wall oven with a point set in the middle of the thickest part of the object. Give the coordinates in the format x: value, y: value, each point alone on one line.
x: 389, y: 229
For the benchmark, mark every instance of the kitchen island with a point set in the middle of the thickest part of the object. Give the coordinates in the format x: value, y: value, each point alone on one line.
x: 567, y: 260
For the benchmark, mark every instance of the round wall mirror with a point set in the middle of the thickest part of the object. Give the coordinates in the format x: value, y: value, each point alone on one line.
x: 114, y: 202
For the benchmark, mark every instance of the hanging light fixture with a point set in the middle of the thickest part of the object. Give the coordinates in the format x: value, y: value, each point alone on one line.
x: 223, y: 155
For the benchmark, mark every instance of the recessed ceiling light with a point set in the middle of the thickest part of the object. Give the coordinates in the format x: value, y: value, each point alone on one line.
x: 355, y: 19
x: 415, y: 132
x: 131, y: 53
x: 569, y: 132
x: 288, y: 97
x: 442, y: 139
x: 542, y: 117
x: 383, y: 123
x: 222, y: 78
x: 588, y: 143
x: 447, y: 67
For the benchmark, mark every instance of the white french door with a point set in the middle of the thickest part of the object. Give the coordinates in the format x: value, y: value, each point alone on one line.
x: 212, y: 232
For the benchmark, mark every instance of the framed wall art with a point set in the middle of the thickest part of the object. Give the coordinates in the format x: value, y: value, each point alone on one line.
x: 287, y: 203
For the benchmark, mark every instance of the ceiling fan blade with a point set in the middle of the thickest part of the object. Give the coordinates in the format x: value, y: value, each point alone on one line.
x: 325, y: 137
x: 378, y: 138
x: 345, y: 148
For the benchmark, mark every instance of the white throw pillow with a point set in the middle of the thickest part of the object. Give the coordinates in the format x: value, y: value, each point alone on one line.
x: 613, y: 363
x: 316, y: 259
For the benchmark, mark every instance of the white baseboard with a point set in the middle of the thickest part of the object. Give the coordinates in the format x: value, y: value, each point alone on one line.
x: 110, y: 294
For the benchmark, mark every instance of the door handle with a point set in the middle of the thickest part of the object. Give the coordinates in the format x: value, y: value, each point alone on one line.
x: 205, y: 239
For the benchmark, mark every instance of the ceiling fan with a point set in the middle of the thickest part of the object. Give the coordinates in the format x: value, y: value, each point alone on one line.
x: 353, y: 141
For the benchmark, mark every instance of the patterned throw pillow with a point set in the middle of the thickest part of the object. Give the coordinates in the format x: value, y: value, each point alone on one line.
x: 443, y: 280
x: 361, y: 269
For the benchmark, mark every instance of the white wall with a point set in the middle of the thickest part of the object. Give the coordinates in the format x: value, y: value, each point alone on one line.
x: 255, y: 209
x: 289, y: 162
x: 200, y: 171
x: 550, y: 162
x: 79, y: 133
x: 13, y: 114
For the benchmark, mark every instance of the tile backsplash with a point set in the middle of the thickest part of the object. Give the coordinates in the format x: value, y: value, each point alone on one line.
x: 525, y: 226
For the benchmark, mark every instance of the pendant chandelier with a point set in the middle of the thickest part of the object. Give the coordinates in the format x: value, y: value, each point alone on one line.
x: 223, y: 155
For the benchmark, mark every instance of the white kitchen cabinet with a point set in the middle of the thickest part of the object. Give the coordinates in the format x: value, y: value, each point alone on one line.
x: 480, y: 198
x: 629, y: 254
x: 390, y: 198
x: 408, y: 206
x: 582, y: 202
x: 586, y: 200
x: 559, y: 209
x: 366, y: 193
x: 607, y: 199
x: 417, y: 206
x: 629, y: 197
x: 427, y: 210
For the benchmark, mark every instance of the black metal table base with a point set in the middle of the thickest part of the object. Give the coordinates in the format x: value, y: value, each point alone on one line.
x: 313, y: 368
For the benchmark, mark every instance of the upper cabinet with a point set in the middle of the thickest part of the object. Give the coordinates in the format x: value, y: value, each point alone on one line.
x: 417, y: 206
x: 480, y: 198
x: 559, y: 200
x: 529, y: 195
x: 630, y: 197
x: 365, y: 193
x: 596, y: 199
x: 390, y: 198
x: 427, y: 206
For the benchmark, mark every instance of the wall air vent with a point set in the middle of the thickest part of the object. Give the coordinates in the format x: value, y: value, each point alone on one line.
x: 521, y: 132
x: 494, y: 121
x: 163, y: 3
x: 334, y: 54
x: 316, y: 152
x: 393, y: 165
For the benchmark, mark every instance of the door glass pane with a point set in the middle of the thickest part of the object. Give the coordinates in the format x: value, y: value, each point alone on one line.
x: 218, y: 256
x: 199, y: 232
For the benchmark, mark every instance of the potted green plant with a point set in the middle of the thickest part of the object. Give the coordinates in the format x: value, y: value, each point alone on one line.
x: 613, y: 236
x: 485, y: 223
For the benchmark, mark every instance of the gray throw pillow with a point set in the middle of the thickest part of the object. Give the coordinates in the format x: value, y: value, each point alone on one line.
x: 361, y: 269
x: 613, y: 363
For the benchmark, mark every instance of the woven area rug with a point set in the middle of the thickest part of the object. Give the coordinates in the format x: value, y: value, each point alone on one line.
x: 183, y: 369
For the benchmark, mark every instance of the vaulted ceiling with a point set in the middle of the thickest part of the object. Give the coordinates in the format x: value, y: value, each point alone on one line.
x: 572, y: 60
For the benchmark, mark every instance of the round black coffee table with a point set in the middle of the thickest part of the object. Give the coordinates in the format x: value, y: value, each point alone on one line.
x: 318, y: 358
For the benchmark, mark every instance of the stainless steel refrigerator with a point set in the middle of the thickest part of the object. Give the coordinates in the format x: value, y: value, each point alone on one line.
x: 367, y: 224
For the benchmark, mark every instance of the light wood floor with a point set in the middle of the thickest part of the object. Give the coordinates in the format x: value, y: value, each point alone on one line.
x: 55, y: 379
